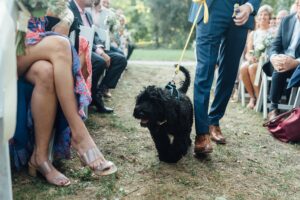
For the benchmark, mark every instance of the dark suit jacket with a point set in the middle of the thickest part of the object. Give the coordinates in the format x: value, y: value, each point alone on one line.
x: 77, y: 16
x: 282, y: 41
x: 249, y: 24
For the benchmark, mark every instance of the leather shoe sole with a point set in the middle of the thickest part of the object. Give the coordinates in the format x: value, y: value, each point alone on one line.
x: 219, y: 140
x: 203, y: 151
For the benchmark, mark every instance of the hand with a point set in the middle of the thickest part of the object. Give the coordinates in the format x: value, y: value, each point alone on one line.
x: 253, y: 59
x: 290, y: 63
x: 61, y: 28
x: 106, y: 57
x: 278, y: 61
x: 243, y: 14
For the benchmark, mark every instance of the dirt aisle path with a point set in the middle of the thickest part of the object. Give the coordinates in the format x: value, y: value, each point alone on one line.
x: 251, y: 166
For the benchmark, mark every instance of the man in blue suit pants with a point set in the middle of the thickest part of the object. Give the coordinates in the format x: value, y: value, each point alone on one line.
x: 223, y: 37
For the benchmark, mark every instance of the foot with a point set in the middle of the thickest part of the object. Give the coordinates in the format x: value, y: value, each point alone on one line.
x: 98, y: 102
x: 252, y: 103
x: 90, y: 156
x: 45, y: 167
x: 273, y: 114
x: 216, y: 135
x: 202, y: 144
x: 106, y: 93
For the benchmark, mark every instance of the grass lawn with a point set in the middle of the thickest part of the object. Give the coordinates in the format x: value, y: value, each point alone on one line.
x: 251, y: 166
x: 161, y: 55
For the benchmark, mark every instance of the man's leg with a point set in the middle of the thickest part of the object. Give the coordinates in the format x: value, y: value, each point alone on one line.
x: 231, y: 50
x: 208, y: 43
x: 113, y: 74
x: 277, y: 87
x: 98, y: 65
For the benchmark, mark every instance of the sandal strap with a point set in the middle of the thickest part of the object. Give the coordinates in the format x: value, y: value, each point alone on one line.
x: 91, y: 155
x: 59, y: 179
x: 44, y: 168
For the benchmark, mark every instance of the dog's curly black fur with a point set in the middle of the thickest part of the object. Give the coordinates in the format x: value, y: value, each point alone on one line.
x: 165, y: 114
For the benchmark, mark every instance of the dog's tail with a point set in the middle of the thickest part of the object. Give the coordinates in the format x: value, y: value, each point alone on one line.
x: 186, y: 83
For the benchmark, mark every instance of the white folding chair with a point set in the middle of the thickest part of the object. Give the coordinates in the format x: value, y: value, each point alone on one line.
x: 104, y: 36
x: 297, y: 98
x: 294, y: 99
x: 8, y: 93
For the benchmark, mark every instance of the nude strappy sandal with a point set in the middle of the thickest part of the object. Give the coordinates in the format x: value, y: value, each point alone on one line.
x: 44, y: 169
x: 92, y: 155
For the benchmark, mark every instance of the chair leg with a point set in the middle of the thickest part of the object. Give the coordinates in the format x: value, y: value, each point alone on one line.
x: 293, y: 96
x: 297, y: 99
x: 51, y: 143
x: 242, y: 87
x: 5, y: 172
x: 259, y: 102
x: 265, y: 96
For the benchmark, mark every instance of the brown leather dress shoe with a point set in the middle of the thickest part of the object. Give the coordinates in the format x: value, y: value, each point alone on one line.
x: 216, y: 135
x: 271, y: 115
x: 202, y: 144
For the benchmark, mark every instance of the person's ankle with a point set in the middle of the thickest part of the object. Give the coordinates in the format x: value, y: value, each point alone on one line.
x: 38, y: 158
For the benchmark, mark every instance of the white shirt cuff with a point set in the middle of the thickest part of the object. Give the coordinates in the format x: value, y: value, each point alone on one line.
x: 251, y: 6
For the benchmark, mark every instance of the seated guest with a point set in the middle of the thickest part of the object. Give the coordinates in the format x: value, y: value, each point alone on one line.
x: 105, y: 3
x: 284, y: 57
x: 53, y: 67
x: 256, y: 38
x: 113, y: 60
x: 125, y: 37
x: 280, y: 15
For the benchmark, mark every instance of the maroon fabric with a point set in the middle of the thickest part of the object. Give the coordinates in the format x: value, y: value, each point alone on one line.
x: 286, y: 127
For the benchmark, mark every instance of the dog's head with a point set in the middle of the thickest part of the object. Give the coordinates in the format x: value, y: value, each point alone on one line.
x: 150, y: 106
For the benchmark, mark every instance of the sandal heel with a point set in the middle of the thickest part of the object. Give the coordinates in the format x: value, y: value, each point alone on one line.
x: 32, y: 171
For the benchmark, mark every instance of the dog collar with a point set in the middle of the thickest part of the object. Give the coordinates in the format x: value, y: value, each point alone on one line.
x: 172, y: 88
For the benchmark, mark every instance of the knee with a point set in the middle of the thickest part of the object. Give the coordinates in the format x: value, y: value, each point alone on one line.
x: 122, y: 61
x: 252, y: 68
x: 244, y: 69
x: 61, y: 48
x: 43, y: 74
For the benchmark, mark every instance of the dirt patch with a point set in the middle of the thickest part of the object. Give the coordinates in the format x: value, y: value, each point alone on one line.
x: 251, y: 166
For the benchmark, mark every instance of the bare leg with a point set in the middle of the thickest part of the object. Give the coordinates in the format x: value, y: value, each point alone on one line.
x: 252, y: 72
x: 43, y: 107
x: 57, y: 51
x: 244, y: 74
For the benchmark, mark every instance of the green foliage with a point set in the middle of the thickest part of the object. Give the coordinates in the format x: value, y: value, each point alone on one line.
x: 164, y: 23
x: 279, y: 4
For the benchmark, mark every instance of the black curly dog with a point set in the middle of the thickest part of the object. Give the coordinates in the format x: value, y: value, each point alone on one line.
x: 167, y: 113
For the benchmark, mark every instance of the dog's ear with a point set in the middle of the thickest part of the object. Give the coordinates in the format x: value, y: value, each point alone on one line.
x: 159, y: 95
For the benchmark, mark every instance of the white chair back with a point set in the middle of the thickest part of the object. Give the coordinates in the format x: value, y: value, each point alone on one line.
x: 8, y: 92
x: 104, y: 35
x: 88, y: 33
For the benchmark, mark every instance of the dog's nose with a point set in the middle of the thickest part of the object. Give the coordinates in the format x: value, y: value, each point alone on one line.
x: 136, y: 111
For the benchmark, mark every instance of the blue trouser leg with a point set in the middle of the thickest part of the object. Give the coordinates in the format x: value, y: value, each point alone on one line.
x: 208, y: 39
x: 231, y: 48
x: 278, y: 85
